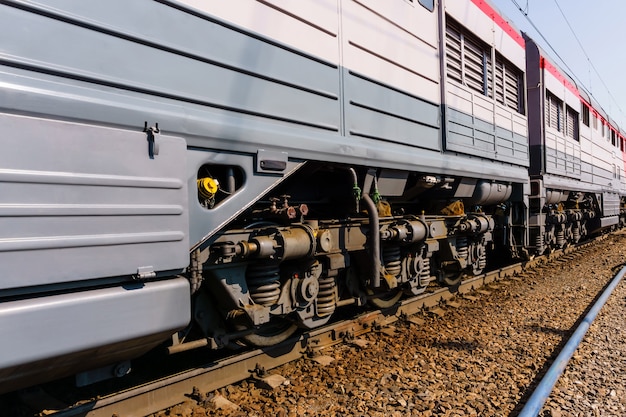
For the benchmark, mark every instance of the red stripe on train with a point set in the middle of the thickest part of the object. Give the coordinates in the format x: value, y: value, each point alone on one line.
x: 500, y: 21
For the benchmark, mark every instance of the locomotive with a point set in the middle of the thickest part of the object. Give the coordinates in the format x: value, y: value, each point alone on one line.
x: 192, y: 174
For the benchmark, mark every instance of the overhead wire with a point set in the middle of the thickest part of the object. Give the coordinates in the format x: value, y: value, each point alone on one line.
x: 557, y: 55
x: 582, y: 48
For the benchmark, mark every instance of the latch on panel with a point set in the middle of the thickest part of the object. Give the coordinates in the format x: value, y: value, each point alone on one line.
x: 153, y: 147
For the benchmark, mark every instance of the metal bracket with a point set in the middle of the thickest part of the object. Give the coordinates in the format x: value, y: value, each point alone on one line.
x: 153, y: 147
x: 271, y: 162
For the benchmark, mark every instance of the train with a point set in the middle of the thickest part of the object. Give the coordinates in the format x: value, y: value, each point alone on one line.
x: 183, y: 174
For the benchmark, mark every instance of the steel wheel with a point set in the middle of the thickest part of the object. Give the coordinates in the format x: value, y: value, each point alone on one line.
x: 385, y: 299
x: 276, y: 331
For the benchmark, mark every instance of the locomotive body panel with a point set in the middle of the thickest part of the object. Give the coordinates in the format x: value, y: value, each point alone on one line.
x: 391, y: 93
x: 586, y: 144
x: 88, y: 202
x: 562, y: 140
x: 484, y: 95
x: 554, y: 133
x: 316, y: 23
x: 606, y: 161
x: 571, y: 151
x: 94, y: 327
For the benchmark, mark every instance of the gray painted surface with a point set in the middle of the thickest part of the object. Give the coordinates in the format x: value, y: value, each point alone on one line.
x: 472, y: 136
x: 610, y: 204
x: 254, y: 187
x: 80, y: 202
x: 125, y: 69
x: 583, y: 175
x: 609, y: 221
x: 586, y: 171
x: 279, y: 99
x: 217, y: 129
x: 89, y: 321
x: 561, y: 163
x: 380, y: 112
x: 558, y: 182
x: 177, y: 57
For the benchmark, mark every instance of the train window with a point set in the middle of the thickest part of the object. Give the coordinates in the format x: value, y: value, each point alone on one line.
x: 429, y: 4
x: 554, y: 112
x: 585, y: 112
x: 571, y: 123
x: 613, y: 138
x: 595, y: 121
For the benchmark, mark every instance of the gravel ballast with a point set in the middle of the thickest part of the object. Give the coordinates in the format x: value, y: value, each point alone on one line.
x: 482, y: 358
x: 594, y: 381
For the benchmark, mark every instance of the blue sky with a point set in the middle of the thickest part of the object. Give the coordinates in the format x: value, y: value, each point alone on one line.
x: 599, y: 26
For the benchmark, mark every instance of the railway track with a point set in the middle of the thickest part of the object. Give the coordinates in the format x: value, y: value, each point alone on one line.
x: 147, y: 398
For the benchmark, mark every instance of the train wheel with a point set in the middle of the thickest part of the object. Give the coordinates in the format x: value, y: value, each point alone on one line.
x: 451, y: 280
x: 384, y: 300
x: 277, y: 331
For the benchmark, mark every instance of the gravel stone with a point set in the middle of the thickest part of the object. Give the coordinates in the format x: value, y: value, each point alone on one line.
x: 483, y: 357
x: 594, y: 380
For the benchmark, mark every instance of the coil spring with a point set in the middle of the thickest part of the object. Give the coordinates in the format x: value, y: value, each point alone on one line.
x: 539, y: 242
x: 327, y: 296
x: 576, y: 234
x: 560, y: 238
x: 482, y: 260
x: 263, y: 283
x: 424, y: 275
x: 462, y: 247
x: 392, y: 260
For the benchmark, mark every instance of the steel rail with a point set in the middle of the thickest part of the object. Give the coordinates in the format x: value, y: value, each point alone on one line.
x: 542, y: 391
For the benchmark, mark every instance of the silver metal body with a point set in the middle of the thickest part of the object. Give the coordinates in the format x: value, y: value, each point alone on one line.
x: 112, y: 113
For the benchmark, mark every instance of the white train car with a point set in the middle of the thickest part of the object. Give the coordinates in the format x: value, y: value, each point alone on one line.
x: 576, y: 161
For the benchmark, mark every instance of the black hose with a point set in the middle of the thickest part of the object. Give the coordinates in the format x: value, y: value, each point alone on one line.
x: 374, y: 238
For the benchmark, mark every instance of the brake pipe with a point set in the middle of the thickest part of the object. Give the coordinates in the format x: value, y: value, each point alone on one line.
x: 543, y: 390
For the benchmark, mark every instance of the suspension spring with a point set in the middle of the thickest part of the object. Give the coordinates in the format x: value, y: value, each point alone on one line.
x: 327, y: 296
x: 263, y: 283
x: 462, y: 249
x: 539, y: 242
x: 392, y: 260
x: 560, y: 238
x: 424, y: 274
x: 482, y: 260
x: 576, y: 234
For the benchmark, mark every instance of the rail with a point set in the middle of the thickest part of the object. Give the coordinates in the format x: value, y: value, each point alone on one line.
x: 542, y: 391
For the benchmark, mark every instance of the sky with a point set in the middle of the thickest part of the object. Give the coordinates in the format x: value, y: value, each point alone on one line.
x: 600, y: 65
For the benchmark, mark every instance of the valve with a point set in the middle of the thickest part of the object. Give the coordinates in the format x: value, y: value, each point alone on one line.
x: 207, y: 188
